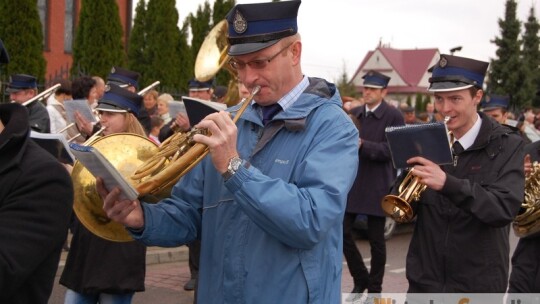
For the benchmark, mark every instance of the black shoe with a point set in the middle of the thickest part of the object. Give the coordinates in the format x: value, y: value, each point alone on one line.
x: 190, y: 285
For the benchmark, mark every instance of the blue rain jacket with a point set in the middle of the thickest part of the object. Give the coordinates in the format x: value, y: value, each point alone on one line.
x: 273, y: 232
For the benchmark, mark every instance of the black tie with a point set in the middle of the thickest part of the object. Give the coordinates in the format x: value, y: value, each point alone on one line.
x: 457, y: 148
x: 269, y: 112
x: 370, y: 114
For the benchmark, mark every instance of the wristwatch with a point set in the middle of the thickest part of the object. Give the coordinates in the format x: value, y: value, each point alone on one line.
x: 234, y: 164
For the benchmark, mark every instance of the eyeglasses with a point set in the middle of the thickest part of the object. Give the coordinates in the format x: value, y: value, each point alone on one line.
x: 257, y: 64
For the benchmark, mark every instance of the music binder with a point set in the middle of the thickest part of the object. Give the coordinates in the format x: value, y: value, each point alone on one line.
x: 197, y: 109
x: 429, y: 140
x: 99, y: 166
x: 56, y: 144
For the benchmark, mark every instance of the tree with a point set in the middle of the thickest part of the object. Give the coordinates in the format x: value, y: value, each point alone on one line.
x: 418, y: 106
x: 346, y: 87
x: 187, y: 61
x: 137, y: 57
x: 98, y: 41
x: 163, y: 40
x: 200, y: 26
x: 21, y: 32
x: 505, y: 69
x: 219, y: 12
x: 531, y: 60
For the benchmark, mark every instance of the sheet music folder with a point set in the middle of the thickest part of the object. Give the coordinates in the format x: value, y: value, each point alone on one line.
x: 197, y: 109
x: 98, y: 165
x: 428, y: 140
x: 56, y: 144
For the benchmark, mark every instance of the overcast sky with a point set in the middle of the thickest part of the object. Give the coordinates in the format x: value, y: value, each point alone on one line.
x: 337, y: 34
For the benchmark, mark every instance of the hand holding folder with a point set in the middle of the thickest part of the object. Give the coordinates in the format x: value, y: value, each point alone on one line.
x: 428, y: 140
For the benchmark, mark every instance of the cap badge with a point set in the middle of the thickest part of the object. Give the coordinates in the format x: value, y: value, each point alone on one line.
x: 107, y: 88
x: 443, y: 62
x: 113, y: 70
x: 239, y: 23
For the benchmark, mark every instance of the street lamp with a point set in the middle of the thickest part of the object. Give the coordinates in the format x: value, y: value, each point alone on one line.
x: 455, y: 49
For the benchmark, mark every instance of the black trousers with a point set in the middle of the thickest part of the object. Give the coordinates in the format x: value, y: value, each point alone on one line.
x: 194, y: 254
x: 373, y: 279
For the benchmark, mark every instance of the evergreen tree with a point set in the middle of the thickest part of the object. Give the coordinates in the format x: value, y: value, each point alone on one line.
x: 427, y: 99
x: 418, y: 106
x: 531, y: 60
x: 187, y: 61
x: 137, y: 57
x: 200, y: 26
x: 225, y: 76
x: 21, y: 32
x: 163, y: 39
x: 504, y: 74
x: 98, y: 42
x: 408, y: 101
x: 346, y: 87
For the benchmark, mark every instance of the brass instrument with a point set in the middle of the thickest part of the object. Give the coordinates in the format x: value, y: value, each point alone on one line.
x: 527, y: 222
x: 212, y: 57
x: 401, y: 205
x: 151, y: 170
x: 42, y: 95
x: 125, y: 152
x: 148, y: 88
x: 181, y: 153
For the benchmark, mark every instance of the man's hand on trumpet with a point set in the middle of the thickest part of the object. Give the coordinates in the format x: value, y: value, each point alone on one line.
x: 222, y: 138
x: 126, y: 212
x: 428, y: 172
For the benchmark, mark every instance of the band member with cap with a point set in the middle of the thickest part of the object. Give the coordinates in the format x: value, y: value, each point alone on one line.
x: 268, y: 201
x: 36, y: 199
x: 99, y: 270
x: 525, y: 275
x: 124, y: 78
x: 22, y: 88
x: 496, y: 106
x: 201, y: 89
x: 460, y: 241
x: 373, y: 181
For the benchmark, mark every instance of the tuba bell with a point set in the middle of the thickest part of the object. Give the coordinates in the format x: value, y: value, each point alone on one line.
x: 401, y: 204
x: 527, y: 223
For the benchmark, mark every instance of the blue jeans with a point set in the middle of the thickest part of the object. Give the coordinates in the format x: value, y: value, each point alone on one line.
x: 73, y: 297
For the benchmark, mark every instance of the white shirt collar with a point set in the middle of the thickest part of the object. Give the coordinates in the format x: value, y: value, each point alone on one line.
x: 468, y: 138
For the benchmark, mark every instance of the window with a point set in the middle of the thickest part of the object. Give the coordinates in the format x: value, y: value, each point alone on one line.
x: 69, y: 26
x: 43, y: 10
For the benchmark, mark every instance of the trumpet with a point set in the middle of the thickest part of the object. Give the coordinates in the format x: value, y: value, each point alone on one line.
x: 401, y: 205
x: 148, y: 88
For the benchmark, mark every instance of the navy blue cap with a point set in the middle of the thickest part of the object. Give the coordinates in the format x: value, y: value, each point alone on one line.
x: 454, y: 73
x: 117, y: 99
x: 374, y: 79
x: 123, y: 77
x: 255, y: 26
x: 4, y: 56
x: 20, y: 82
x: 492, y: 102
x: 195, y: 85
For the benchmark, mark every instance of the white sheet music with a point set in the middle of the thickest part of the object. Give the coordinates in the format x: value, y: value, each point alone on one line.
x: 176, y: 107
x: 80, y: 105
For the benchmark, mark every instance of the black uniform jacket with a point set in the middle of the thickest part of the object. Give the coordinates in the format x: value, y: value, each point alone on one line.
x: 460, y: 241
x: 525, y: 276
x: 376, y: 173
x: 36, y: 198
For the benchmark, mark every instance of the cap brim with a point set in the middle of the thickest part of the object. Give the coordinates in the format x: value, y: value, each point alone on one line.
x: 118, y: 83
x: 487, y: 109
x: 246, y: 48
x: 448, y: 86
x: 15, y: 90
x: 109, y: 108
x: 374, y: 86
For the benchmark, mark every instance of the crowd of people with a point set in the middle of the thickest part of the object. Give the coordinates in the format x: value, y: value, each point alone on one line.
x: 268, y: 214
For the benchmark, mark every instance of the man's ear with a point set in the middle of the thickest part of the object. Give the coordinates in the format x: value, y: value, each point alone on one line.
x: 478, y: 97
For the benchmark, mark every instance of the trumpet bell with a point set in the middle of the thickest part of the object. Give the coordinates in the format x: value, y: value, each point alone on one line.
x: 399, y: 209
x: 126, y: 152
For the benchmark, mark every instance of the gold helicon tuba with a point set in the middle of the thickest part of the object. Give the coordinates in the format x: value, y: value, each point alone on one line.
x: 527, y: 223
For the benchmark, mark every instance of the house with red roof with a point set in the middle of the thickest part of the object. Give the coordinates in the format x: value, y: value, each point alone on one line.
x: 407, y: 69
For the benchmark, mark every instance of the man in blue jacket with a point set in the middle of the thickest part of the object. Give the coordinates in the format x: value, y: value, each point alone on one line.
x: 268, y: 202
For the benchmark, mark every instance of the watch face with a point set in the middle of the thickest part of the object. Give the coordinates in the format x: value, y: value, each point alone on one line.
x: 235, y: 163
